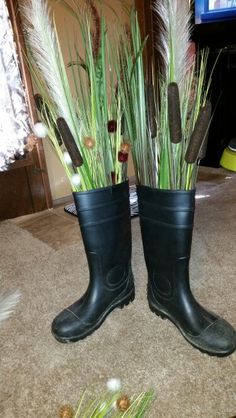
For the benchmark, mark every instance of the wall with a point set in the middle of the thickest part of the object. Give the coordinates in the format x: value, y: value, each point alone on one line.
x: 59, y: 184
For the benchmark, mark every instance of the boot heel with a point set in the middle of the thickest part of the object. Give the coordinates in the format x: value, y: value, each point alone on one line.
x: 127, y: 300
x: 157, y: 312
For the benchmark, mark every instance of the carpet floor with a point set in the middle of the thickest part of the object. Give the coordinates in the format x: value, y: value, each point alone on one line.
x: 38, y: 374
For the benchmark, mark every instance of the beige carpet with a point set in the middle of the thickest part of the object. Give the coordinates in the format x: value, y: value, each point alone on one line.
x: 38, y: 374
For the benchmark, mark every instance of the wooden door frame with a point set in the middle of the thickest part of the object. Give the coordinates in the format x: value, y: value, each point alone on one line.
x: 37, y: 156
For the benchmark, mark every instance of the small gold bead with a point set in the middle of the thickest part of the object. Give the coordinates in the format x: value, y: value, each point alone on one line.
x: 89, y: 142
x: 66, y: 411
x: 125, y: 147
x: 123, y: 403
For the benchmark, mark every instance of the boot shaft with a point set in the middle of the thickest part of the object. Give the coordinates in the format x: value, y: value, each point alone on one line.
x: 104, y: 219
x: 166, y: 219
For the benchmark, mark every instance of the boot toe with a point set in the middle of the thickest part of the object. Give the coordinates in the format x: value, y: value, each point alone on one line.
x: 218, y: 339
x: 63, y: 326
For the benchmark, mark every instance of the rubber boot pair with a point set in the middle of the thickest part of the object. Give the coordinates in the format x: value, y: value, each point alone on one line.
x: 166, y: 219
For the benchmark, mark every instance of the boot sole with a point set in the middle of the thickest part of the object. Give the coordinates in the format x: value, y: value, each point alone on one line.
x: 121, y: 304
x: 164, y: 315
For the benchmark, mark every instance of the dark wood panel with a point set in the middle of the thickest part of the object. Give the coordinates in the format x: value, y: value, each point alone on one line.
x: 15, y: 199
x: 24, y: 181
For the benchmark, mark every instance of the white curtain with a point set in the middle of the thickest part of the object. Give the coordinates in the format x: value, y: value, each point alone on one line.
x: 14, y: 118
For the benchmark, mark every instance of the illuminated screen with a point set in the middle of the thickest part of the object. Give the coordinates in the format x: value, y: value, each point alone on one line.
x: 221, y: 4
x: 214, y: 10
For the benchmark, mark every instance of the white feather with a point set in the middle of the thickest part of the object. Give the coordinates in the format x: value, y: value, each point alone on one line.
x: 7, y: 304
x: 173, y: 40
x: 42, y: 40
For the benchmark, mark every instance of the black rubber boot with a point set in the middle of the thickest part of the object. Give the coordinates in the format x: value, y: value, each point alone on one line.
x: 104, y: 218
x: 166, y: 219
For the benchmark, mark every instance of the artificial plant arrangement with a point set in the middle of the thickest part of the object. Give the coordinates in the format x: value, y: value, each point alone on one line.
x: 113, y: 403
x: 167, y: 117
x: 83, y: 120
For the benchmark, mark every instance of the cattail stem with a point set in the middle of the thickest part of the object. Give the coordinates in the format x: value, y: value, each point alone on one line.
x: 151, y: 109
x: 174, y: 113
x: 198, y: 134
x: 69, y: 142
x: 43, y: 108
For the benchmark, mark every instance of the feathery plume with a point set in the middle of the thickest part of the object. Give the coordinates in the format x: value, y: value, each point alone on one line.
x: 151, y: 109
x: 7, y: 304
x: 199, y: 133
x: 44, y: 47
x: 174, y: 113
x: 173, y: 17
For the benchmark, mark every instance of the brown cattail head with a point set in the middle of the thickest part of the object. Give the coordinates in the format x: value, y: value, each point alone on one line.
x: 69, y: 142
x: 38, y: 102
x: 199, y: 133
x: 174, y: 113
x: 203, y: 149
x: 43, y: 108
x: 151, y: 109
x: 96, y: 34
